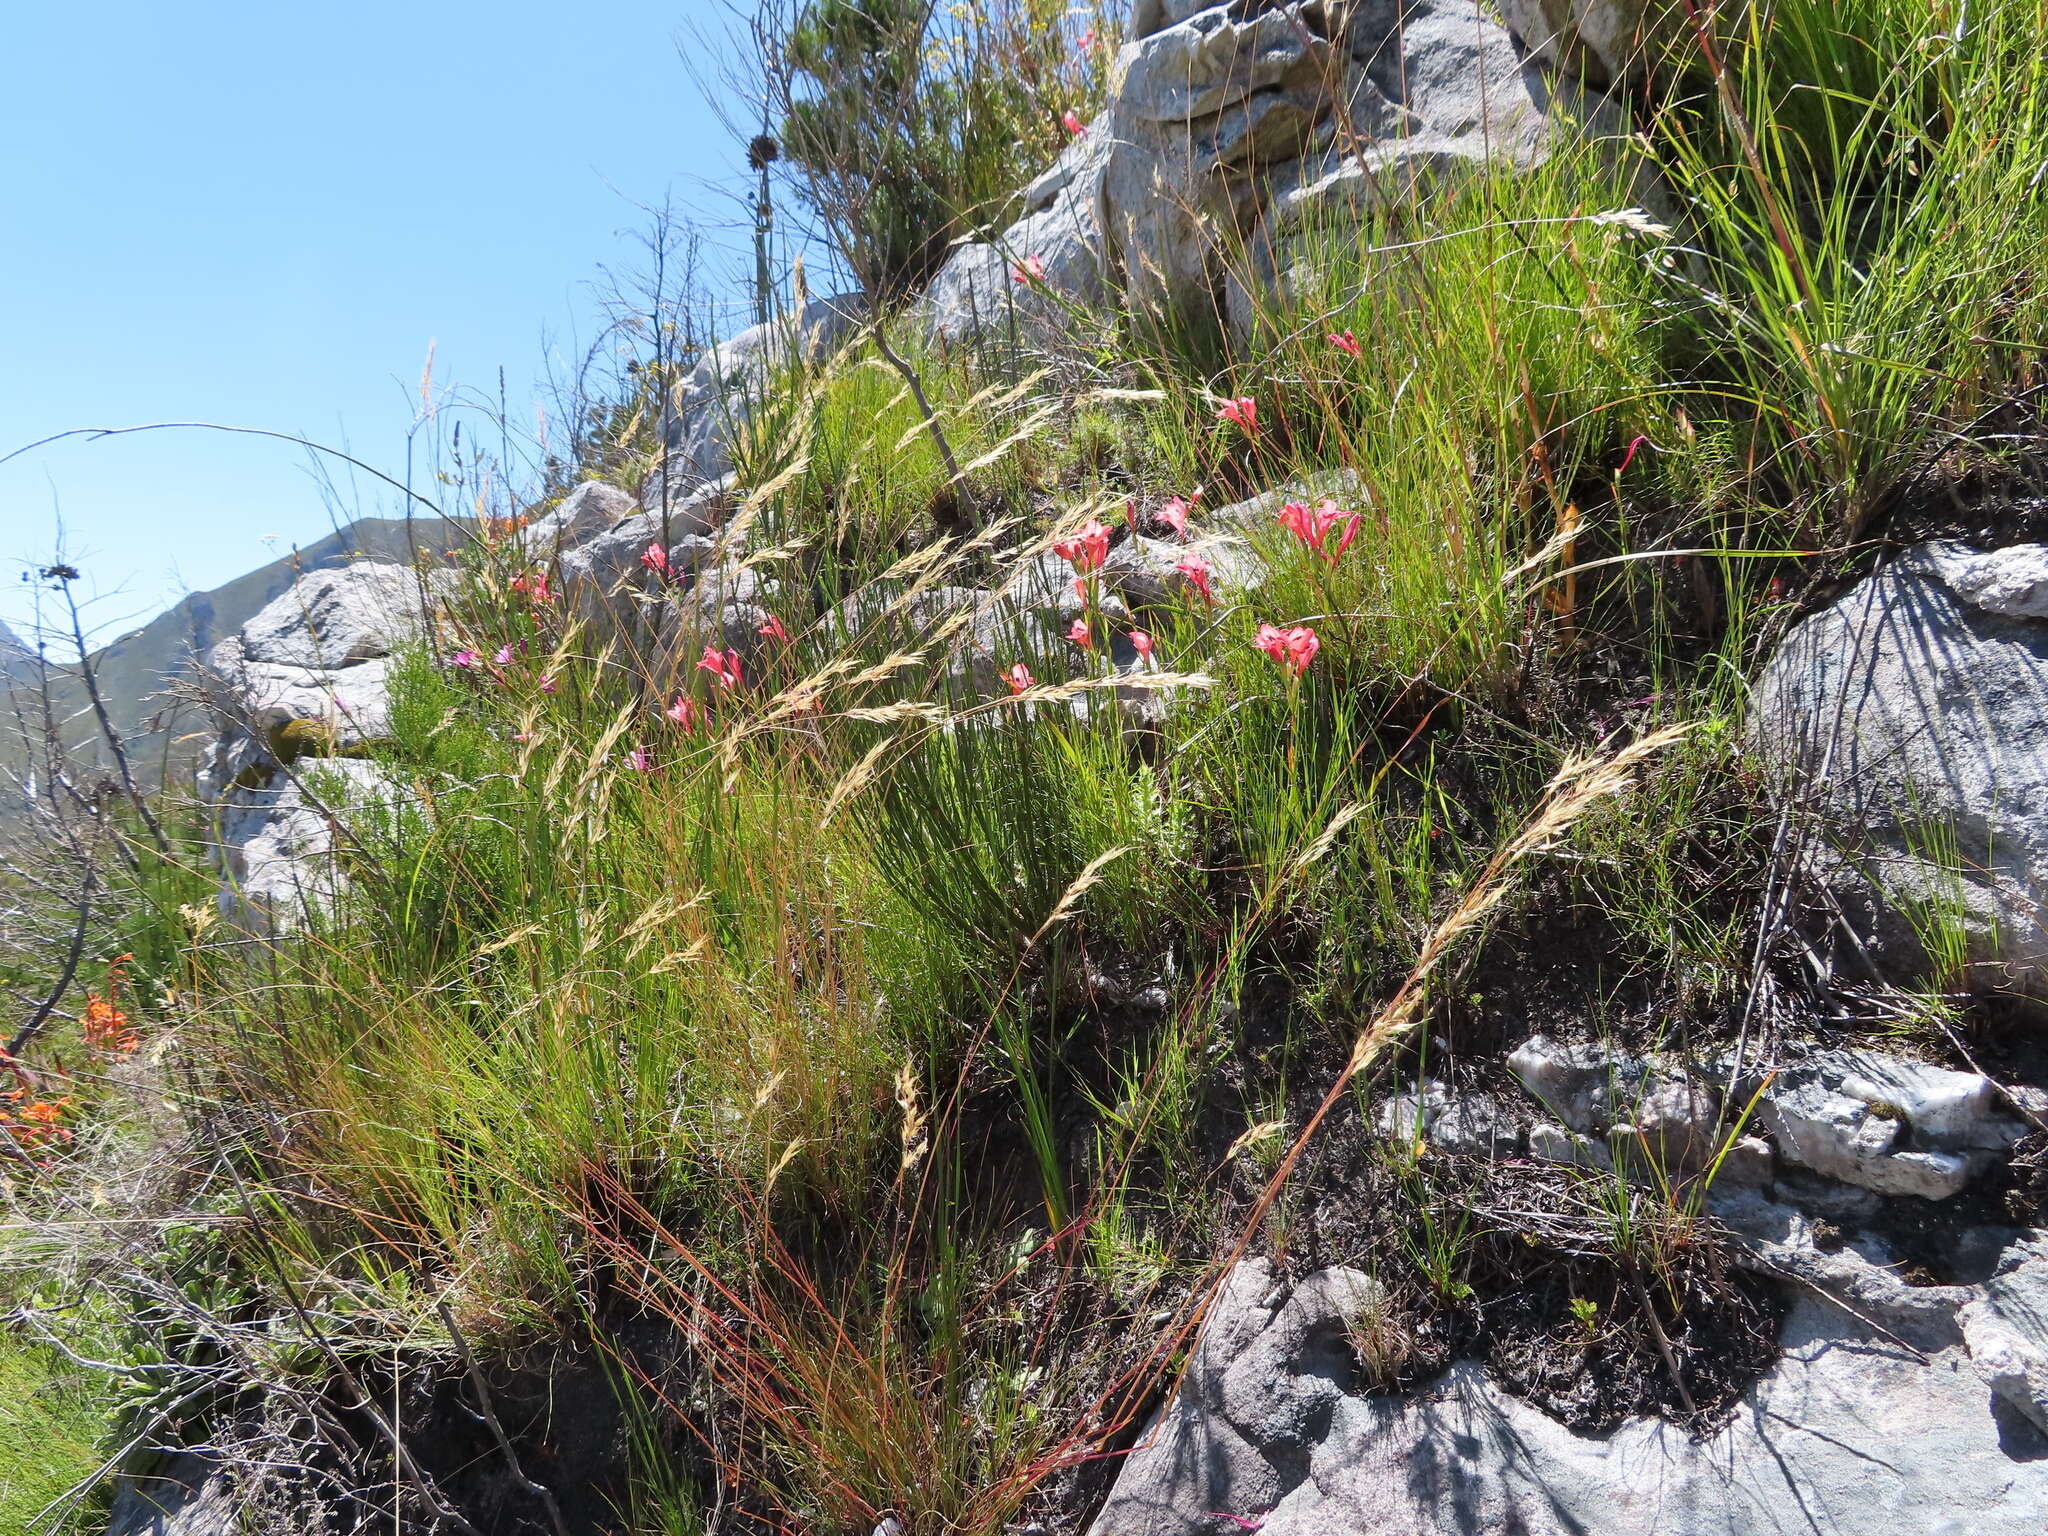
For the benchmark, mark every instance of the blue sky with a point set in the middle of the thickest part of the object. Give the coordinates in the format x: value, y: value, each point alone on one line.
x: 263, y: 214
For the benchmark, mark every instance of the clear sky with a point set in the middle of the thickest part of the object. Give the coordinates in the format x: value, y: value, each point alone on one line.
x: 262, y: 214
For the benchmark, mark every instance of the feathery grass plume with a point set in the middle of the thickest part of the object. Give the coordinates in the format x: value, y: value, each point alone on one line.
x: 1091, y: 872
x: 858, y: 777
x: 697, y: 949
x: 1033, y: 425
x: 905, y: 709
x: 758, y: 500
x: 1264, y: 1131
x: 915, y: 1143
x: 780, y: 1165
x: 886, y: 668
x: 987, y: 398
x: 517, y: 936
x: 1056, y: 693
x: 1576, y: 788
x: 1325, y: 840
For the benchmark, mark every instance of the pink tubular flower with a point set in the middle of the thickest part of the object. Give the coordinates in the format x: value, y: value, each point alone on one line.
x: 639, y: 760
x: 1293, y: 648
x: 1242, y: 413
x: 724, y: 668
x: 504, y: 657
x: 1344, y: 341
x: 1086, y: 550
x: 1088, y: 41
x: 1071, y: 121
x: 534, y: 584
x: 1028, y: 271
x: 1313, y: 525
x: 547, y: 685
x: 1078, y: 633
x: 655, y: 558
x: 686, y: 712
x: 1019, y: 678
x: 1197, y: 572
x: 774, y: 631
x: 1175, y: 515
x: 1141, y: 642
x: 468, y: 660
x: 1628, y: 458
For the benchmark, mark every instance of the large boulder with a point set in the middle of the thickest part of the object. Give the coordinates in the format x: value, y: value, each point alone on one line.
x: 590, y: 509
x: 332, y: 618
x: 305, y: 680
x: 1912, y: 716
x: 1272, y: 1429
x: 307, y: 673
x: 280, y: 843
x: 1231, y: 122
x: 1609, y: 41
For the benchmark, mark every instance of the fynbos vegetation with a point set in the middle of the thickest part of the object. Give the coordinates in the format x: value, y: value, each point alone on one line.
x: 1182, y: 821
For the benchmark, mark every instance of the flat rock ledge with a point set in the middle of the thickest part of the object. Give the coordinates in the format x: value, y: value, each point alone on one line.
x: 1855, y: 1428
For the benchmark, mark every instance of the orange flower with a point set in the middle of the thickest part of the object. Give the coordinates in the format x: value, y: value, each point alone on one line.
x: 107, y: 1032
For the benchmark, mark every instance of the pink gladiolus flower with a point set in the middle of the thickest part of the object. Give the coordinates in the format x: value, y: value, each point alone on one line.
x: 639, y: 760
x: 547, y: 685
x: 1088, y: 41
x: 1293, y: 648
x: 1313, y: 525
x: 1629, y: 457
x: 465, y: 659
x: 774, y: 631
x: 1078, y: 633
x: 535, y: 585
x: 1086, y: 550
x: 1029, y: 270
x: 1197, y: 572
x: 1344, y: 341
x: 1141, y: 642
x: 724, y: 668
x: 1175, y: 515
x: 1242, y: 413
x: 686, y: 712
x: 1071, y: 121
x: 1019, y: 678
x: 503, y: 658
x: 655, y: 558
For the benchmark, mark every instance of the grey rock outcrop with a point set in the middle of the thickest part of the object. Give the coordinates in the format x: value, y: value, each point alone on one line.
x: 280, y: 843
x: 1875, y: 1121
x: 187, y: 1494
x: 590, y: 509
x: 305, y: 679
x: 2007, y: 1331
x: 1912, y: 714
x: 316, y: 657
x: 1253, y: 122
x: 1271, y: 1430
x: 1883, y: 1123
x: 710, y: 406
x: 331, y: 619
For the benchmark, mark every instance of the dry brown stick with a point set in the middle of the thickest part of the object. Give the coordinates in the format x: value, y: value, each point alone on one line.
x: 1642, y: 1291
x: 483, y: 1394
